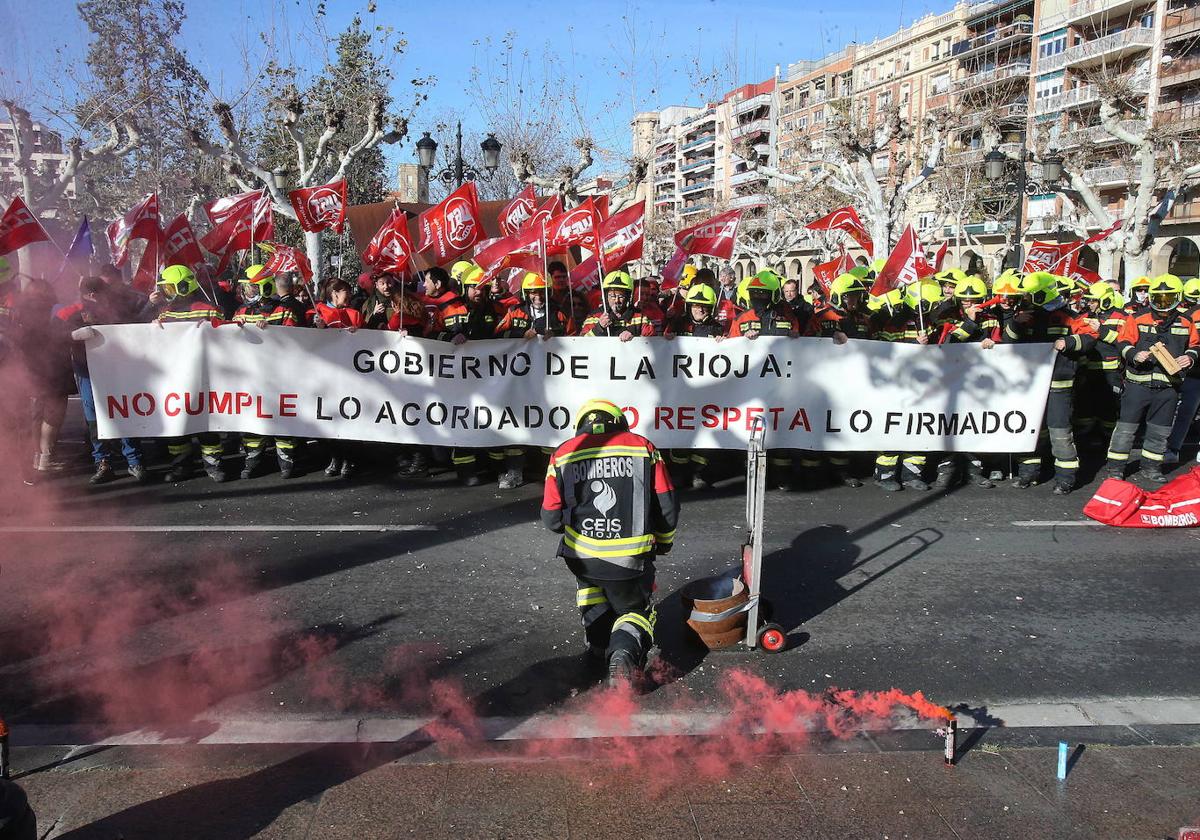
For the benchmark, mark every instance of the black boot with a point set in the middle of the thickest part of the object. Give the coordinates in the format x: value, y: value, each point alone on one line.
x: 946, y: 473
x: 1115, y: 469
x: 885, y: 478
x: 180, y: 468
x: 287, y: 465
x: 103, y: 474
x: 252, y: 464
x: 334, y: 468
x: 212, y: 466
x: 622, y: 669
x: 1152, y: 475
x: 418, y: 467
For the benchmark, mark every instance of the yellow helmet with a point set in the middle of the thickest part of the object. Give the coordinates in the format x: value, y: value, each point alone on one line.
x: 923, y: 296
x: 460, y: 269
x: 1166, y: 290
x: 701, y: 294
x: 256, y: 275
x: 532, y: 282
x: 950, y: 275
x: 862, y: 272
x: 1103, y: 293
x: 471, y: 276
x: 1142, y: 282
x: 877, y: 266
x: 617, y: 280
x: 1191, y: 290
x: 845, y: 284
x: 1042, y: 288
x: 1008, y: 283
x: 891, y: 300
x: 688, y: 275
x: 970, y: 287
x: 1066, y: 285
x: 1119, y: 301
x: 765, y: 281
x: 177, y: 280
x: 598, y: 416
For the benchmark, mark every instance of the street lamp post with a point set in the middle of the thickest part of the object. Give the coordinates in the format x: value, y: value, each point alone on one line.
x: 996, y: 165
x: 459, y: 169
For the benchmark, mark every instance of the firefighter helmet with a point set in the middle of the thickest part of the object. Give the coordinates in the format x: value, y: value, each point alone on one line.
x: 1191, y: 290
x: 532, y: 282
x: 262, y: 282
x: 1042, y: 288
x: 177, y: 281
x: 1166, y: 290
x: 862, y: 272
x: 922, y: 296
x: 617, y: 280
x: 598, y: 417
x: 1140, y: 283
x: 891, y: 300
x: 461, y: 269
x: 765, y: 281
x: 846, y: 284
x: 701, y: 294
x: 1103, y: 293
x: 1008, y: 283
x: 688, y: 275
x: 472, y: 276
x: 877, y: 266
x: 1066, y: 285
x: 969, y: 287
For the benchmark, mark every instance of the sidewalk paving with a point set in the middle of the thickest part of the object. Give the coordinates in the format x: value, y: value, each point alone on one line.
x: 399, y: 790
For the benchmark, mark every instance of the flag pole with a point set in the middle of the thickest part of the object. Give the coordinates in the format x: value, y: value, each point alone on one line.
x: 546, y: 277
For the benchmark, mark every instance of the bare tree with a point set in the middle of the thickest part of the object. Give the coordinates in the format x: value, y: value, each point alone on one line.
x: 869, y: 164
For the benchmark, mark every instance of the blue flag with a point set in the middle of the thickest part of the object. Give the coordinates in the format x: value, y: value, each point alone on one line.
x: 81, y: 249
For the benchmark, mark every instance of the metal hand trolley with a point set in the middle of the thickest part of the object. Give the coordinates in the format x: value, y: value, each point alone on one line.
x: 760, y: 630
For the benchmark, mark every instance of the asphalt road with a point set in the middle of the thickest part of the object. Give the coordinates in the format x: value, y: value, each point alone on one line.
x: 268, y: 598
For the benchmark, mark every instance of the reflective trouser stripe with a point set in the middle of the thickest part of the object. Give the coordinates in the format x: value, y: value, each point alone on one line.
x: 179, y: 448
x: 915, y: 460
x: 887, y: 460
x: 459, y: 460
x: 1151, y: 456
x: 252, y: 441
x: 1066, y: 465
x: 700, y: 459
x: 496, y: 454
x: 589, y: 595
x: 210, y: 449
x: 1118, y: 456
x: 637, y: 620
x: 284, y: 443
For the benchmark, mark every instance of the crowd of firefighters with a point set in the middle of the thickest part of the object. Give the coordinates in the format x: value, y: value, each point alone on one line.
x: 1108, y: 388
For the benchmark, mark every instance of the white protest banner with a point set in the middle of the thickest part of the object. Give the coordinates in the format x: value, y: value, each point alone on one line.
x: 684, y: 392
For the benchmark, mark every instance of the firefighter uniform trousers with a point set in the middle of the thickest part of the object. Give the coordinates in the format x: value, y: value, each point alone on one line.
x: 1056, y: 435
x: 617, y: 615
x: 180, y: 449
x: 285, y: 452
x: 1154, y: 405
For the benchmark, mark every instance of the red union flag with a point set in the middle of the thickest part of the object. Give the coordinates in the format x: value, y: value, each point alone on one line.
x: 622, y: 237
x: 139, y: 222
x: 714, y: 237
x: 19, y: 227
x: 846, y: 219
x: 550, y: 208
x: 673, y: 270
x: 940, y: 256
x: 902, y: 266
x: 150, y: 265
x: 242, y: 223
x: 1104, y: 234
x: 525, y: 250
x: 1044, y: 256
x: 827, y: 272
x: 601, y: 202
x: 179, y: 244
x: 285, y: 258
x: 514, y: 214
x: 1070, y: 267
x: 576, y: 226
x: 391, y: 248
x: 453, y: 226
x: 318, y: 208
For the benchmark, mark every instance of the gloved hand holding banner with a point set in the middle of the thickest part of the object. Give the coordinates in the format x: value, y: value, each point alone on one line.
x: 686, y: 392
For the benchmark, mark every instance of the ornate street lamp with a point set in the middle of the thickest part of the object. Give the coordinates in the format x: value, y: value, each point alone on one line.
x: 996, y: 168
x: 459, y: 169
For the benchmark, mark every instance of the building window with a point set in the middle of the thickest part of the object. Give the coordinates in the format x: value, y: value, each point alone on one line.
x: 1048, y: 86
x: 1052, y: 44
x: 941, y: 83
x: 926, y: 220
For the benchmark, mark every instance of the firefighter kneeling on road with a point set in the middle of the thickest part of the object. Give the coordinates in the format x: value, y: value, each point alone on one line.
x: 609, y: 494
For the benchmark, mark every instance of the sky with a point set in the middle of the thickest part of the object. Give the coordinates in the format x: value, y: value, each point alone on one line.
x: 446, y: 40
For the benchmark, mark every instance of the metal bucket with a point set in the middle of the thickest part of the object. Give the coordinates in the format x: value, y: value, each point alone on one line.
x: 716, y: 610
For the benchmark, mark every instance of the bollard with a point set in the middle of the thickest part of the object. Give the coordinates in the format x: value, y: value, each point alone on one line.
x: 951, y: 740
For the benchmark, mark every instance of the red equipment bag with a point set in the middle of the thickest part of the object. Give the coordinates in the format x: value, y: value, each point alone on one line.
x: 1125, y: 505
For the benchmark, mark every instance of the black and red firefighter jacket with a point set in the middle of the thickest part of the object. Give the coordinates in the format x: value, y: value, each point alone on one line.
x: 611, y: 498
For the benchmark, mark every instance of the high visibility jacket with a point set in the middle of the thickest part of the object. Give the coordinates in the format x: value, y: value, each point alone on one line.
x: 189, y: 309
x: 300, y: 313
x: 269, y: 310
x: 829, y: 321
x: 775, y: 320
x: 905, y: 328
x: 448, y: 316
x: 522, y: 318
x: 1105, y: 355
x: 1175, y: 330
x: 611, y: 498
x: 709, y: 327
x: 632, y: 319
x: 1042, y: 327
x: 340, y: 317
x: 964, y: 328
x: 481, y: 320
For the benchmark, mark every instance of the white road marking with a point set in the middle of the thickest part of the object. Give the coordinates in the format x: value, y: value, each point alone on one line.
x: 1117, y: 711
x: 1050, y: 523
x: 215, y: 528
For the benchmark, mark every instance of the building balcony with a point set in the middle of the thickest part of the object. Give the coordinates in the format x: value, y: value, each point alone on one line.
x: 665, y: 201
x: 696, y: 186
x: 1184, y: 211
x: 1073, y: 98
x: 1094, y: 135
x: 739, y: 202
x: 1012, y: 112
x: 699, y: 119
x: 700, y: 163
x: 1179, y: 71
x: 752, y: 127
x: 703, y: 140
x: 1092, y: 11
x: 1006, y: 35
x: 665, y: 157
x: 699, y: 207
x: 664, y: 179
x: 1019, y: 69
x: 763, y: 100
x: 963, y: 156
x: 1177, y: 113
x: 1181, y: 23
x: 746, y: 178
x: 1100, y: 176
x: 1105, y: 48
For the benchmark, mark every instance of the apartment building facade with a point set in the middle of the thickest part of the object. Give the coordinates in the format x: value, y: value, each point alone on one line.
x: 45, y: 153
x: 1034, y: 68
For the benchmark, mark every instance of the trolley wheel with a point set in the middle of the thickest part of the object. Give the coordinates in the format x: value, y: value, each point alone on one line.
x: 772, y: 638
